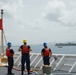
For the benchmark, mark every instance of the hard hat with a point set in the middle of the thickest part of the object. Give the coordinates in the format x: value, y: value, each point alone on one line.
x: 9, y: 44
x: 24, y: 41
x: 44, y: 44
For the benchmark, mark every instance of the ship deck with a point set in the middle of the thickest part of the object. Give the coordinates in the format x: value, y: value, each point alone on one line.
x: 3, y: 71
x: 65, y: 64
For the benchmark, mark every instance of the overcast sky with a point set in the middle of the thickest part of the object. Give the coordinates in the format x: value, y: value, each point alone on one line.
x: 39, y: 21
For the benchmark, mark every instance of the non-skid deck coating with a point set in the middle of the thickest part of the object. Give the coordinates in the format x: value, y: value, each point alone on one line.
x: 3, y: 71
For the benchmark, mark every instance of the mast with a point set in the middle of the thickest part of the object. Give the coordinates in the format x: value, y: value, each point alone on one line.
x: 2, y: 41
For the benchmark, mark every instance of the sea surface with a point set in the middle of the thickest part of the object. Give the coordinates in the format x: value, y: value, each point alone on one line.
x: 55, y: 49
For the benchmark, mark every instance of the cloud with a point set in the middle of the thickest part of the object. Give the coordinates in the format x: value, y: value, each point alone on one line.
x: 54, y: 10
x: 57, y: 11
x: 42, y: 20
x: 12, y: 12
x: 12, y: 9
x: 70, y: 19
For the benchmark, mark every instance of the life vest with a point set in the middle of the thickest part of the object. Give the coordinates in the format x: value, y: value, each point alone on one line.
x: 8, y: 54
x: 25, y: 50
x: 46, y: 52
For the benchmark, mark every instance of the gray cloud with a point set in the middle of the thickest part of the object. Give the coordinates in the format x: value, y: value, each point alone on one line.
x: 57, y: 11
x: 53, y: 16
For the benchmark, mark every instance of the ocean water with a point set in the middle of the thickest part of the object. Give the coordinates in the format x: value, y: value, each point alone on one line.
x: 55, y: 49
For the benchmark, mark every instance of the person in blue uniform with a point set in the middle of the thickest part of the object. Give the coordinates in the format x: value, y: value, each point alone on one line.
x: 25, y: 51
x: 10, y: 54
x: 46, y: 54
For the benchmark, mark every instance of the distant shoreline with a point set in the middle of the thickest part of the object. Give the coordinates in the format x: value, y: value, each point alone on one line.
x: 65, y: 44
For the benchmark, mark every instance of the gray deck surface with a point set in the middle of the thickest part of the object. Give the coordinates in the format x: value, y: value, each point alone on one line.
x: 3, y: 71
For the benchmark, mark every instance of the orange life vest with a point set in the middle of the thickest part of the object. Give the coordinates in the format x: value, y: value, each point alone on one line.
x: 46, y: 52
x: 8, y: 54
x: 25, y: 50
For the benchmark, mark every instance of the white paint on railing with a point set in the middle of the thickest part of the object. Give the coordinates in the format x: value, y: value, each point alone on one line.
x: 73, y: 68
x: 34, y: 59
x: 17, y: 59
x: 59, y: 63
x: 63, y: 60
x: 52, y: 61
x: 38, y: 62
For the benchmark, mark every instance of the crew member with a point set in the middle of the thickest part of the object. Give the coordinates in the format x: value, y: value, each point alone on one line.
x: 10, y: 54
x: 46, y: 54
x: 25, y: 51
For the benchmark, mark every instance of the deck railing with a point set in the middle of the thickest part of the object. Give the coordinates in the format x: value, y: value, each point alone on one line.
x: 64, y: 62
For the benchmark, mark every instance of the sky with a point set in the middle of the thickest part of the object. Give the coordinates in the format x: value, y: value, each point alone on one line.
x: 39, y: 21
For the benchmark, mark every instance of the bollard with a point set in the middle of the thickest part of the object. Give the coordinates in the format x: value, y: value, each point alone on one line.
x: 43, y: 69
x: 46, y: 69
